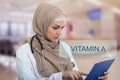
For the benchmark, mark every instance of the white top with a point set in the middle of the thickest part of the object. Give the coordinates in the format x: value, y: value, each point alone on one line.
x: 26, y: 64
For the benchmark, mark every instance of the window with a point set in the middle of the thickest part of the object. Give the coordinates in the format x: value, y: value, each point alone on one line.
x: 4, y: 28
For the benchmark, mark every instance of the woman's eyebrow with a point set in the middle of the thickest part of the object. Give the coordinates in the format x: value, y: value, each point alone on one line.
x: 59, y: 26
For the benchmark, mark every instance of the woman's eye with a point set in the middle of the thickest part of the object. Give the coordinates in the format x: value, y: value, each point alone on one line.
x: 55, y: 28
x: 62, y: 27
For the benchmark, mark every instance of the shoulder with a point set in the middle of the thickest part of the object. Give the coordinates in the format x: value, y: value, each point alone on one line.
x: 23, y: 50
x: 24, y: 47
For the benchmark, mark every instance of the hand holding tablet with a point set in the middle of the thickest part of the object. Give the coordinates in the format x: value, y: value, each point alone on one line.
x: 99, y: 69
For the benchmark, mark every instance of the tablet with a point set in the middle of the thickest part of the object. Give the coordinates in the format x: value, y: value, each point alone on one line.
x: 99, y: 69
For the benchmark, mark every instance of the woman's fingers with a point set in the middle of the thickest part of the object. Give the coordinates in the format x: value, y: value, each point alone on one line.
x: 106, y: 73
x: 72, y: 77
x: 103, y: 77
x: 79, y: 75
x: 76, y: 75
x: 82, y: 73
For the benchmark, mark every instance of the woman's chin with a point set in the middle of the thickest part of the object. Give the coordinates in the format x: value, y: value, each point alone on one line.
x: 55, y: 40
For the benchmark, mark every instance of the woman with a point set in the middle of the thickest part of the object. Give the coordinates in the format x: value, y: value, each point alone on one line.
x: 40, y: 58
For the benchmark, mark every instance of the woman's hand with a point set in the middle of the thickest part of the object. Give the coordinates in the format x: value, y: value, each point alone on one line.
x: 105, y: 77
x: 73, y: 75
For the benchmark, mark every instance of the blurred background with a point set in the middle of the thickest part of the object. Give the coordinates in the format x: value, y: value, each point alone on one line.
x: 86, y: 20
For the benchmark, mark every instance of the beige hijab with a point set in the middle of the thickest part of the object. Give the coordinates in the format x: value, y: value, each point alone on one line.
x: 48, y: 60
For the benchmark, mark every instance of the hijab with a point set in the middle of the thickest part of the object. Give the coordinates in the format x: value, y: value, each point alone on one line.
x: 47, y: 59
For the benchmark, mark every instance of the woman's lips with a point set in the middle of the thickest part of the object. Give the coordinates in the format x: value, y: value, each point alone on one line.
x: 55, y: 37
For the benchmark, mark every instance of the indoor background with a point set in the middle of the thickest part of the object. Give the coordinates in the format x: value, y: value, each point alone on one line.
x: 86, y: 20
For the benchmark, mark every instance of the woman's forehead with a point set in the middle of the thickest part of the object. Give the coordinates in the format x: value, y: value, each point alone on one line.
x: 60, y: 18
x: 59, y: 23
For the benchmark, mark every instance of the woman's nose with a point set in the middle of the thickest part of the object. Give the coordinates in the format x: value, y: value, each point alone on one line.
x: 59, y: 32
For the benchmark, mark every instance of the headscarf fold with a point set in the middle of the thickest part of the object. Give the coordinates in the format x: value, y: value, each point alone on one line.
x: 48, y: 60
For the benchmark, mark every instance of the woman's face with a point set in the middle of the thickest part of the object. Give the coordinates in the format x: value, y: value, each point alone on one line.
x: 54, y: 30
